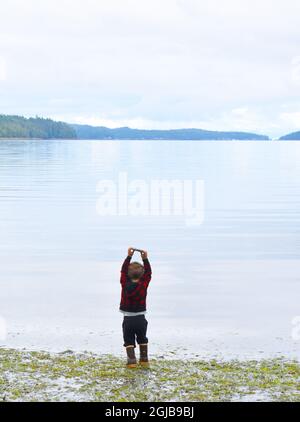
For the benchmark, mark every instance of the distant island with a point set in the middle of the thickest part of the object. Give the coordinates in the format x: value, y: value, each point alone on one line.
x: 21, y: 127
x: 295, y: 136
x: 92, y: 132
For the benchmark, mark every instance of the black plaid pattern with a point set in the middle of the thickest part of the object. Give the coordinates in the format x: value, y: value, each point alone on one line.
x: 133, y: 297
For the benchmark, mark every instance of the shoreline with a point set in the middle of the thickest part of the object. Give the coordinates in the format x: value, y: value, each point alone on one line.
x: 70, y: 376
x: 141, y: 139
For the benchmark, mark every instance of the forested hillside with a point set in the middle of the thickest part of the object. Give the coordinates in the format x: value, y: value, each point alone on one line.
x: 21, y: 127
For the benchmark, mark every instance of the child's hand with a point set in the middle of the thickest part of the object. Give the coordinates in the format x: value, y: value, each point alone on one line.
x: 144, y: 255
x: 130, y: 251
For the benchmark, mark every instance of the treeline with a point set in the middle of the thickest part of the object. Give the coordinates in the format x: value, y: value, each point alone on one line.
x: 21, y: 127
x: 40, y: 128
x: 91, y: 132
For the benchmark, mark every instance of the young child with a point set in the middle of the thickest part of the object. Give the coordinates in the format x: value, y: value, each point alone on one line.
x: 135, y: 279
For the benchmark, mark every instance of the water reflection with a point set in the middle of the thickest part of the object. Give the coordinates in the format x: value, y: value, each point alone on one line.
x: 230, y: 284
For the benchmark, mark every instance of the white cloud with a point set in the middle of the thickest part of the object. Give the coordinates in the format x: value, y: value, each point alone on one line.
x: 153, y: 62
x: 241, y: 119
x: 291, y: 119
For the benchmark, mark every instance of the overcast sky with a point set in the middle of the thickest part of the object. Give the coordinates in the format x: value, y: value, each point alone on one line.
x: 213, y: 64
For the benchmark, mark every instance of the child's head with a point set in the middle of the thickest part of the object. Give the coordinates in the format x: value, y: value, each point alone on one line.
x: 135, y: 271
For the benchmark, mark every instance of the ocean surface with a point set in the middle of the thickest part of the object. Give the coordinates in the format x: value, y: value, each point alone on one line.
x: 226, y: 286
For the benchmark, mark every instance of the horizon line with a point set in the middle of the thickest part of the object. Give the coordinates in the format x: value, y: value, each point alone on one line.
x: 71, y: 123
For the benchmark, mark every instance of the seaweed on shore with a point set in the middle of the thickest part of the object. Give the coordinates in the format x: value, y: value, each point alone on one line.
x: 41, y: 376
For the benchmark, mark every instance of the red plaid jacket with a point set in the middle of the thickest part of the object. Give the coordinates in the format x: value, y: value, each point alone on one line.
x: 133, y: 298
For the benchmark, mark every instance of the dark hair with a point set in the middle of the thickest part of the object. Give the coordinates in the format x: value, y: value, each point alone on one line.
x: 140, y: 271
x: 137, y: 263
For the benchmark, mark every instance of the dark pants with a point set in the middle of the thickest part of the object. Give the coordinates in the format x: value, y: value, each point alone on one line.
x: 134, y: 329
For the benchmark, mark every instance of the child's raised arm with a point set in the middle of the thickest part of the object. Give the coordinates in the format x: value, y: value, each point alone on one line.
x: 124, y: 269
x: 147, y: 266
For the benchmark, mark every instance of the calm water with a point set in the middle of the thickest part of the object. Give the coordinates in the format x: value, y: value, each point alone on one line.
x: 229, y: 287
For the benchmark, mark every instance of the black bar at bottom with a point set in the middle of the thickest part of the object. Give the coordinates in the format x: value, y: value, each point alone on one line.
x: 152, y: 411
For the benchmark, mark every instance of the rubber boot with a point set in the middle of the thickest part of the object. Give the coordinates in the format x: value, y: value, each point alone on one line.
x: 144, y: 361
x: 131, y: 359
